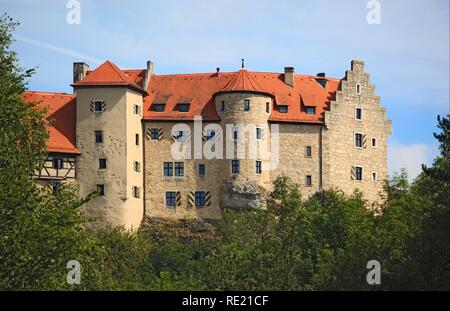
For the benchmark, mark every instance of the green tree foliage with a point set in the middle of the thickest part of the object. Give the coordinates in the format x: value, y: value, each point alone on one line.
x: 430, y: 249
x: 40, y: 230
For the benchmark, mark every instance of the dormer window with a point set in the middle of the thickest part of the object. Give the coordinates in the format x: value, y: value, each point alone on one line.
x: 158, y: 107
x: 183, y: 107
x: 282, y: 108
x: 310, y: 110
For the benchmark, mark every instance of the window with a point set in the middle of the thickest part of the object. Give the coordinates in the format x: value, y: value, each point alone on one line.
x: 246, y: 104
x: 235, y: 166
x: 171, y: 198
x: 200, y: 198
x: 98, y: 105
x: 179, y: 169
x: 259, y: 133
x: 258, y: 167
x: 358, y: 140
x: 201, y: 170
x: 137, y: 166
x: 267, y: 107
x: 358, y: 113
x: 168, y: 169
x: 57, y: 163
x: 222, y: 105
x: 179, y: 136
x: 101, y: 190
x: 159, y: 107
x: 154, y: 133
x: 374, y: 176
x: 374, y: 142
x: 308, y: 151
x: 98, y: 137
x: 136, y: 139
x: 358, y: 173
x: 235, y: 134
x: 136, y: 191
x: 56, y: 184
x: 137, y: 110
x: 102, y: 163
x: 183, y: 107
x: 210, y: 134
x: 310, y: 110
x: 358, y: 88
x: 308, y: 180
x: 282, y: 108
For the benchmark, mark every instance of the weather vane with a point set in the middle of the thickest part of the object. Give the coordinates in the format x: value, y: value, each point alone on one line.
x: 242, y: 63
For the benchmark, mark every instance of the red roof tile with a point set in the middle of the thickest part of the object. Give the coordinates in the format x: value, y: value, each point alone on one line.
x: 202, y: 87
x: 241, y: 82
x: 109, y: 74
x: 196, y: 89
x: 61, y: 114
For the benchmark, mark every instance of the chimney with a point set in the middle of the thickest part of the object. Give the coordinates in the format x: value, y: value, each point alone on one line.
x: 321, y: 79
x: 149, y: 72
x: 289, y: 76
x: 79, y: 71
x: 217, y: 71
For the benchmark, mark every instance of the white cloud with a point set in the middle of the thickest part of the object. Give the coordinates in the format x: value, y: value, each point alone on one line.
x: 410, y: 157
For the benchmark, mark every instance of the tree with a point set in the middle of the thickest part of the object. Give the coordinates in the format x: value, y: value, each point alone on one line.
x: 40, y: 230
x: 431, y: 247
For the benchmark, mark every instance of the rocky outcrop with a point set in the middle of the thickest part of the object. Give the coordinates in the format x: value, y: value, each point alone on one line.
x: 242, y: 194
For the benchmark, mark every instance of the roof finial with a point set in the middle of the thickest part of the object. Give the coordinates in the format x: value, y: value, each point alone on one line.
x: 243, y: 63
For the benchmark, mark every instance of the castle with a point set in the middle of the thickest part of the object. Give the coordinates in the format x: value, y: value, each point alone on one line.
x: 116, y: 134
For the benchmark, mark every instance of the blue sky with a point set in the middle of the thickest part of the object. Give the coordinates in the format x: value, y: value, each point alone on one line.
x: 407, y: 54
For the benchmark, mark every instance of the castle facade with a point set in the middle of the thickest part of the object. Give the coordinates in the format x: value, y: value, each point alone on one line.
x: 190, y: 145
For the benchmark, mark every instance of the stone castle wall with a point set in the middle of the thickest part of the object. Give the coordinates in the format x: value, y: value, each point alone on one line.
x: 117, y: 206
x: 333, y: 153
x: 340, y: 152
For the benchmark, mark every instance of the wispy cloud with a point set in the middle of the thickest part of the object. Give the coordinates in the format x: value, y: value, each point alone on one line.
x: 59, y: 49
x: 410, y: 157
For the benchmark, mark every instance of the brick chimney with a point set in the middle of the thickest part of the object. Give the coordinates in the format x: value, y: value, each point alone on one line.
x: 289, y: 76
x: 149, y: 72
x: 79, y: 71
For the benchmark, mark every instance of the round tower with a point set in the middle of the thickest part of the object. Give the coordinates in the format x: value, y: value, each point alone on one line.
x: 244, y: 108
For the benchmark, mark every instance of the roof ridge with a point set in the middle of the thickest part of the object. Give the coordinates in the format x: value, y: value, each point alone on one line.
x: 117, y: 70
x: 242, y: 81
x: 50, y: 93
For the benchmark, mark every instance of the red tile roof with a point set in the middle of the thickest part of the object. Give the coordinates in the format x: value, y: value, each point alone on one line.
x: 196, y: 89
x: 168, y: 89
x: 61, y: 114
x: 109, y: 74
x: 241, y: 82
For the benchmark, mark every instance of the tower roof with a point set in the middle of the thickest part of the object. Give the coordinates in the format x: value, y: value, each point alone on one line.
x: 243, y: 81
x: 108, y: 74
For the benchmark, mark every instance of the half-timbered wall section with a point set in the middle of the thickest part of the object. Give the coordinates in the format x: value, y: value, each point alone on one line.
x: 57, y: 167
